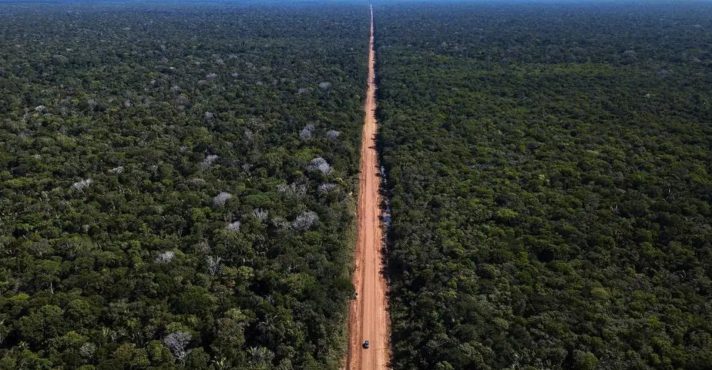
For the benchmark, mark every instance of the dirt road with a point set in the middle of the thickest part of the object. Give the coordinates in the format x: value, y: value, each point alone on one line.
x: 368, y: 314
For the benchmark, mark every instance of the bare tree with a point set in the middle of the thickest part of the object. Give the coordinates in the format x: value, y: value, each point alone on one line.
x: 209, y: 160
x: 320, y: 164
x: 233, y: 226
x: 307, y: 132
x: 220, y: 199
x: 81, y: 185
x: 305, y: 220
x: 333, y: 135
x: 326, y: 187
x: 165, y: 257
x: 260, y: 214
x: 178, y: 342
x: 213, y: 264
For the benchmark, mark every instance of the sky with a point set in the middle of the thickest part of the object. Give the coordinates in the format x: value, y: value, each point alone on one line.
x: 376, y: 2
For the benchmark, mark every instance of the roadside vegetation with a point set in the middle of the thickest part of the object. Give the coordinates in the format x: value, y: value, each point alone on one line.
x: 550, y: 175
x: 175, y: 184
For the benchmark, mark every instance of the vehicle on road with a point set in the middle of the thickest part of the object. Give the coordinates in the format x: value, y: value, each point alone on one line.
x: 365, y: 344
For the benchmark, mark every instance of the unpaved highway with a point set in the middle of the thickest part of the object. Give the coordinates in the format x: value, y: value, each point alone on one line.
x: 368, y: 314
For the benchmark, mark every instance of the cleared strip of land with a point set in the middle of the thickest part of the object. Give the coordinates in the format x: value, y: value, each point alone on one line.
x: 368, y: 314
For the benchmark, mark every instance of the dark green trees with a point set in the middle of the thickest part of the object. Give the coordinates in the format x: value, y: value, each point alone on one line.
x: 550, y: 176
x: 158, y: 208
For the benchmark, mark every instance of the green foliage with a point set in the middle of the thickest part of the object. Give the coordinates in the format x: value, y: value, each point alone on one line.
x: 119, y: 127
x: 549, y: 175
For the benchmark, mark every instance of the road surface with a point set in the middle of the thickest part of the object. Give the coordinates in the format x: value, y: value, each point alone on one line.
x: 368, y: 314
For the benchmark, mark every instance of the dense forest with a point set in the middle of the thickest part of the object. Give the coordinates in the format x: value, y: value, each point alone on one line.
x: 176, y: 184
x: 550, y: 175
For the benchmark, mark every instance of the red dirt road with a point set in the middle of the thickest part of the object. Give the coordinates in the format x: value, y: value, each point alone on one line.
x: 368, y: 314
